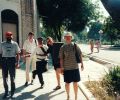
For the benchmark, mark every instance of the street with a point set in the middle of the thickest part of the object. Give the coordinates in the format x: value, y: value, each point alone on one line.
x: 106, y: 53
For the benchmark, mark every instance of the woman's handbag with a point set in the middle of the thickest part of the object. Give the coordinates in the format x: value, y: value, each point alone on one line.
x: 77, y: 55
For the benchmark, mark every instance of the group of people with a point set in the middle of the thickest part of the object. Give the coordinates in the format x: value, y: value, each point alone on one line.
x: 35, y: 54
x: 96, y: 45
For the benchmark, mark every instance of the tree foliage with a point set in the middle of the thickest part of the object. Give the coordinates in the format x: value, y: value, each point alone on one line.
x: 73, y: 14
x: 94, y: 30
x: 110, y: 29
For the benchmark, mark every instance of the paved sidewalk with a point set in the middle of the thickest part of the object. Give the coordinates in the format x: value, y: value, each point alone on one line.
x: 33, y: 92
x: 92, y: 71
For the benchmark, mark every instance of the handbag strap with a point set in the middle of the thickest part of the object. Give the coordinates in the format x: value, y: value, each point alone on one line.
x: 35, y: 42
x: 75, y: 47
x: 45, y: 52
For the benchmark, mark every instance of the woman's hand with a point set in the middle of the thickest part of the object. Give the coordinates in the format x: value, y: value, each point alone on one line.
x: 82, y: 67
x: 17, y: 65
x: 62, y: 70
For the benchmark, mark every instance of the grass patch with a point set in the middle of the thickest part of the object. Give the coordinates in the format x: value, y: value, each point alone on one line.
x: 109, y: 87
x: 98, y: 89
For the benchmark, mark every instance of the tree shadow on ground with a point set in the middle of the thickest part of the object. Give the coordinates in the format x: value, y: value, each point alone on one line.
x: 18, y: 89
x: 1, y: 95
x: 48, y: 96
x: 26, y: 95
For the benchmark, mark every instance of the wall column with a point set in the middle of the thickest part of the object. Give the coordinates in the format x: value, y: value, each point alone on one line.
x: 0, y: 29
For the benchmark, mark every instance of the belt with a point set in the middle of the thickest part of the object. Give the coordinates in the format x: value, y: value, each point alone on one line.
x: 40, y: 59
x: 28, y: 53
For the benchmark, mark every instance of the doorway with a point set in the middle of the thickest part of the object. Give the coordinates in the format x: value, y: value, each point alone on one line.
x: 10, y: 23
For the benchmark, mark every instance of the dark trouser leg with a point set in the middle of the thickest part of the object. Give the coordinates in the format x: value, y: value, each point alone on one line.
x: 39, y: 72
x: 12, y: 76
x: 40, y: 76
x: 34, y: 74
x: 5, y: 75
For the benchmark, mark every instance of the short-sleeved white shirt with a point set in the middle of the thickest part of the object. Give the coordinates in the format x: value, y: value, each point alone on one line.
x: 28, y: 46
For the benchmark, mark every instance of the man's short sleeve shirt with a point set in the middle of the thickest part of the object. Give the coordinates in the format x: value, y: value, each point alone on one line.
x: 67, y: 53
x: 28, y: 46
x: 9, y: 49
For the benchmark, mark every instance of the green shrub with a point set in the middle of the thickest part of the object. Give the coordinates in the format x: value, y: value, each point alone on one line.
x: 112, y: 81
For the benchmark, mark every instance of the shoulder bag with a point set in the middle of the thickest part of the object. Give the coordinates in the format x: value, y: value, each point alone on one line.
x: 76, y: 54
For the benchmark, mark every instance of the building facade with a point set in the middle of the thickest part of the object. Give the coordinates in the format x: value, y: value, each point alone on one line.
x: 18, y: 16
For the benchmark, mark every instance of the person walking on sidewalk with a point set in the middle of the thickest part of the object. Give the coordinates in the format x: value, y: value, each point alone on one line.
x: 28, y: 49
x: 97, y: 43
x: 91, y: 45
x: 55, y: 64
x: 41, y: 60
x: 69, y: 65
x: 10, y: 53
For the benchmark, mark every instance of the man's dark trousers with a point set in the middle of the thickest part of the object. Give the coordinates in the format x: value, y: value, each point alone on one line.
x: 8, y: 66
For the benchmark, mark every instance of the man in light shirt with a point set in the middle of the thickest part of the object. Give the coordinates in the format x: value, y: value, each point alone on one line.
x: 10, y: 56
x: 28, y: 48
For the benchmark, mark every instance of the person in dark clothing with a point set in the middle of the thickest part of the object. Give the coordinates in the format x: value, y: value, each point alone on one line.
x: 41, y: 60
x: 55, y: 62
x: 10, y: 53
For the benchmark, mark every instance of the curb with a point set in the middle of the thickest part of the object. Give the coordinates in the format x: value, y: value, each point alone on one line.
x: 101, y: 61
x: 86, y: 92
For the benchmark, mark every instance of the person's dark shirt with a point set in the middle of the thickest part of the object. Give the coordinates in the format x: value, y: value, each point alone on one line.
x: 50, y: 50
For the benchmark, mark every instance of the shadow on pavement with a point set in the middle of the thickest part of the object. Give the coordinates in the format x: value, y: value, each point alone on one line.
x: 48, y: 95
x: 26, y: 95
x: 1, y: 95
x: 19, y: 89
